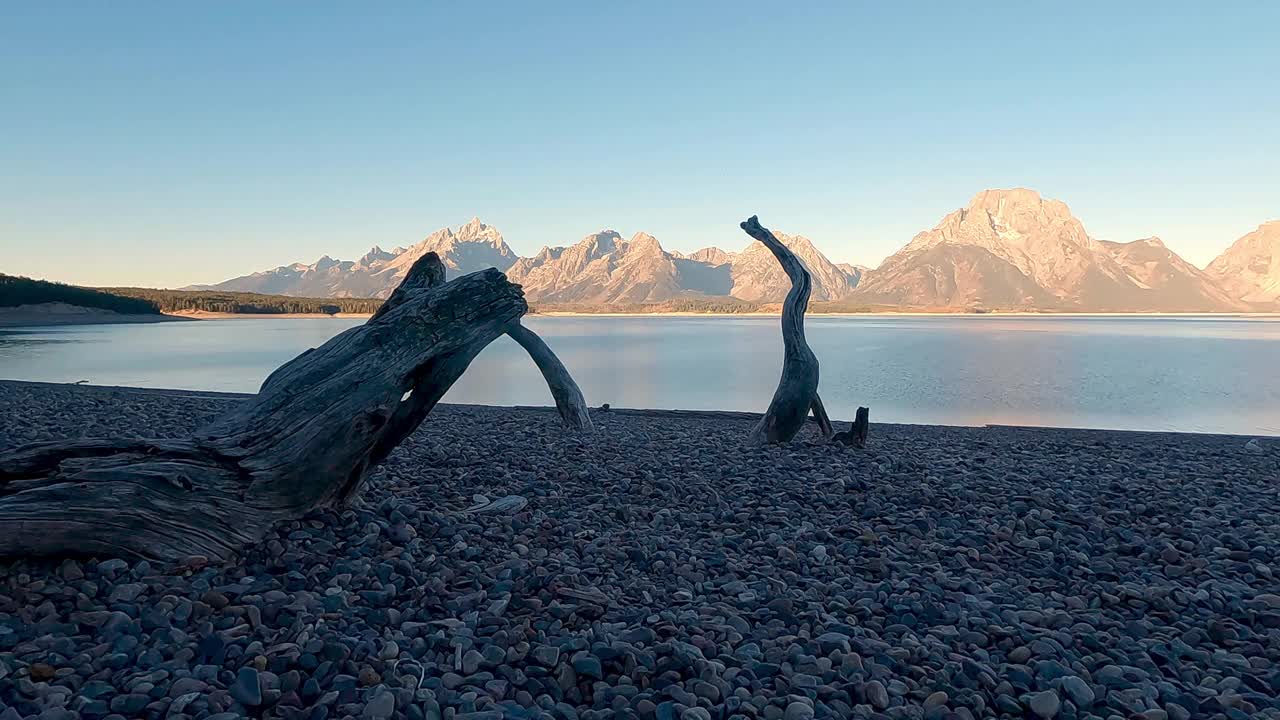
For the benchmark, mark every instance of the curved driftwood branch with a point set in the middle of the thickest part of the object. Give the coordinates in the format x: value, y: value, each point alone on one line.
x: 820, y: 415
x: 305, y: 441
x: 569, y: 400
x: 798, y: 387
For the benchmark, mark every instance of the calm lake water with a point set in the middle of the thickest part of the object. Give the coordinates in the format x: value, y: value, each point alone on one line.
x: 1187, y: 374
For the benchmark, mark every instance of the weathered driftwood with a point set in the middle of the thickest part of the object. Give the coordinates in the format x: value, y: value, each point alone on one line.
x: 797, y: 392
x: 569, y: 400
x: 820, y: 415
x: 856, y: 436
x: 306, y: 441
x: 509, y: 504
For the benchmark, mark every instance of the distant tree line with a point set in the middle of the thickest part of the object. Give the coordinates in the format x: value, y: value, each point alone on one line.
x: 15, y: 291
x: 245, y: 303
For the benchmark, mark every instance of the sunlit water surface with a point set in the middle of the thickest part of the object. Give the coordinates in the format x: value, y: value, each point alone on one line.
x: 1187, y: 374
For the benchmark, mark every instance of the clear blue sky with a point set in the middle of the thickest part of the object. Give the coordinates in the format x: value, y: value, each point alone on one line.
x: 170, y: 143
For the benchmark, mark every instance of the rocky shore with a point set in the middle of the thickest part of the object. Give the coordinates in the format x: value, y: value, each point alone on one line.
x: 498, y: 568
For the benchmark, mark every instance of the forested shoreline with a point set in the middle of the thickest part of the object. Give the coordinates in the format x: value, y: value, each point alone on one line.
x: 17, y: 291
x: 173, y: 301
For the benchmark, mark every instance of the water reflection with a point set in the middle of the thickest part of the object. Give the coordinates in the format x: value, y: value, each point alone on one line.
x: 1204, y: 374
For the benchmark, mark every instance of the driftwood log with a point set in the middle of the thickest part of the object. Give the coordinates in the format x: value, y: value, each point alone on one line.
x: 568, y: 398
x: 307, y: 440
x: 797, y: 393
x: 565, y: 392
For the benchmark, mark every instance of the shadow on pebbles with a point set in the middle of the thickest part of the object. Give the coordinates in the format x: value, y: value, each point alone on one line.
x: 661, y: 570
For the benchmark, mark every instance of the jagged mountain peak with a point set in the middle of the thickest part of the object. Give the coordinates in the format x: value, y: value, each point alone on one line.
x: 325, y: 263
x: 375, y: 256
x: 599, y: 243
x: 1014, y: 201
x: 472, y: 232
x: 474, y: 246
x: 477, y: 231
x: 644, y: 242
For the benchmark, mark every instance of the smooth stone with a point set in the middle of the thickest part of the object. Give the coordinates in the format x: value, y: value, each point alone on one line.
x: 798, y: 711
x: 1045, y: 704
x: 247, y: 688
x: 1078, y: 692
x: 381, y: 707
x: 876, y: 694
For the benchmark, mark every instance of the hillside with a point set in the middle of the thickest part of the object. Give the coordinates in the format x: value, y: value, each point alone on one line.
x: 21, y: 291
x: 58, y: 302
x: 1249, y: 270
x: 1014, y: 250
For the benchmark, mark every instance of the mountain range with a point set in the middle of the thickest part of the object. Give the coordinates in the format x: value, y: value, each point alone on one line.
x: 1005, y: 250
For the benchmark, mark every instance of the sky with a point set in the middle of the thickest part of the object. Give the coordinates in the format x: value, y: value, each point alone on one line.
x: 163, y: 144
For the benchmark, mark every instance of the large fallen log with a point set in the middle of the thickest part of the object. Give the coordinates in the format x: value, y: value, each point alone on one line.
x: 797, y: 393
x: 307, y: 440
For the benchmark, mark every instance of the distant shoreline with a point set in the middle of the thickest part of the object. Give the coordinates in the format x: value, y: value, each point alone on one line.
x: 30, y: 316
x: 57, y: 314
x: 208, y: 315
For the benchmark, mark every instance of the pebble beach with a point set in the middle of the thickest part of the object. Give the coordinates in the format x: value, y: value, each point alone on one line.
x: 499, y: 567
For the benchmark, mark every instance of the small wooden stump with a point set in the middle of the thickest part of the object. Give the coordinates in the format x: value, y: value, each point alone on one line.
x: 856, y: 436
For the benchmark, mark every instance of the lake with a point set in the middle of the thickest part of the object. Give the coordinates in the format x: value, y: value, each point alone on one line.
x: 1159, y: 373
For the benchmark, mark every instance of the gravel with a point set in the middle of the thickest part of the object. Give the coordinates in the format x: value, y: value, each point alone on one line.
x: 659, y: 569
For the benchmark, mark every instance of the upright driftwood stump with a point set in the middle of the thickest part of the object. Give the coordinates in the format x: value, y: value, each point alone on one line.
x: 856, y: 435
x: 306, y: 441
x: 797, y: 393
